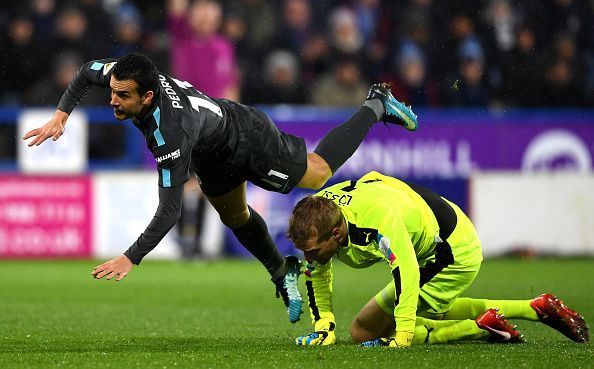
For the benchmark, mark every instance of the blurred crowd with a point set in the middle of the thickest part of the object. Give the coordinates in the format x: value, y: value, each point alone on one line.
x: 491, y: 53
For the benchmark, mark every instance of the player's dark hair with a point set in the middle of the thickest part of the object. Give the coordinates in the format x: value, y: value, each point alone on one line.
x: 313, y: 216
x: 139, y: 68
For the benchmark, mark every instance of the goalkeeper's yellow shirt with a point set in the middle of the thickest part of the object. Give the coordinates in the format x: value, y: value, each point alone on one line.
x: 387, y: 221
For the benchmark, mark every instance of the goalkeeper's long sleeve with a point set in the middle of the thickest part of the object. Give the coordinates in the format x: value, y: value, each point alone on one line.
x: 318, y: 280
x: 168, y: 212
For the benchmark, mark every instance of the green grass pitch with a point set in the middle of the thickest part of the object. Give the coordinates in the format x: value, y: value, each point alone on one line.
x: 223, y: 315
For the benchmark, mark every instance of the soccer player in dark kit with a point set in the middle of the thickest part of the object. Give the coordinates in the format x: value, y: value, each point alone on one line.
x: 225, y: 144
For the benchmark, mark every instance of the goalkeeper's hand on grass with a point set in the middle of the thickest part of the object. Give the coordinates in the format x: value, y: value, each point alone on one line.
x: 401, y: 339
x: 324, y: 335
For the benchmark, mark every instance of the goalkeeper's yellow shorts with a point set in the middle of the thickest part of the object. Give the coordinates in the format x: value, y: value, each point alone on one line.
x: 438, y: 295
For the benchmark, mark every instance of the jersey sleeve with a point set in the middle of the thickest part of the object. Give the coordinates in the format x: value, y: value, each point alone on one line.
x: 395, y: 244
x: 96, y: 72
x: 318, y: 280
x: 167, y: 214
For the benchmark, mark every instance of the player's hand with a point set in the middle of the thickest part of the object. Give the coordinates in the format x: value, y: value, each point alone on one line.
x: 119, y: 267
x: 401, y: 339
x: 323, y: 336
x: 54, y: 128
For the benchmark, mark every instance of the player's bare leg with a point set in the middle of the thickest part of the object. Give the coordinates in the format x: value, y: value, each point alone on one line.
x: 317, y: 174
x: 372, y: 322
x: 251, y: 230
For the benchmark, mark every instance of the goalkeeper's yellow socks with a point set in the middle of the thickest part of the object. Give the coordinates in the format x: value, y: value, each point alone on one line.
x: 428, y: 331
x: 468, y: 308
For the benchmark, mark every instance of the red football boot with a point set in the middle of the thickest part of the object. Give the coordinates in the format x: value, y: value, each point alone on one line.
x: 500, y: 329
x: 552, y: 312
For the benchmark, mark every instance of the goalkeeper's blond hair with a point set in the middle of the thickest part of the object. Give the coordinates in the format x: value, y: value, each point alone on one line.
x: 313, y: 217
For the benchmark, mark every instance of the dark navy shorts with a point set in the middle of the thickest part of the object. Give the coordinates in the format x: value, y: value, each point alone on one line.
x: 259, y: 152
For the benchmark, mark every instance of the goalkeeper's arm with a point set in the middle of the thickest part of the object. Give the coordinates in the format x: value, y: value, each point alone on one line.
x: 318, y: 280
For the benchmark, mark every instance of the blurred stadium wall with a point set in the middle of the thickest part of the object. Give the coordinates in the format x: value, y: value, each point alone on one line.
x: 524, y: 176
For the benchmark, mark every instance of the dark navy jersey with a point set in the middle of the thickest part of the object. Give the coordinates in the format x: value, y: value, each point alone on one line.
x: 181, y: 120
x: 180, y: 123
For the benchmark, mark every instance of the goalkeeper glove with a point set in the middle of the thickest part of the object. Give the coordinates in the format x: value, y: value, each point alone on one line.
x: 402, y: 339
x: 322, y: 336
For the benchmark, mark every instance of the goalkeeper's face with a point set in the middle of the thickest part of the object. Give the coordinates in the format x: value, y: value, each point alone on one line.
x: 320, y: 251
x: 323, y: 250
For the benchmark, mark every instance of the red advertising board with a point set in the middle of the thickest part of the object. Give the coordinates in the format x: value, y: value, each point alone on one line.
x: 45, y: 216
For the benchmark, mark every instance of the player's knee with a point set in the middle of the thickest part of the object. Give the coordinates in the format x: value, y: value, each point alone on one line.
x: 317, y: 174
x: 320, y: 180
x: 359, y: 334
x: 235, y: 220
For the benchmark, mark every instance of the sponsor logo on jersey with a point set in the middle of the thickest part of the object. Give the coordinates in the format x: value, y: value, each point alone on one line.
x: 310, y: 267
x: 172, y: 155
x: 367, y: 235
x: 107, y: 67
x: 384, y: 246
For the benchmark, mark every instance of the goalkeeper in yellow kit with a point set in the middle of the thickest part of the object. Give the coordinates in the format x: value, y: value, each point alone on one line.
x: 434, y: 255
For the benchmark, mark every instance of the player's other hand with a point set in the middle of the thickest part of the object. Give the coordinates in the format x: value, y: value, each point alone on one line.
x: 402, y: 339
x: 323, y: 336
x: 54, y: 128
x: 119, y: 267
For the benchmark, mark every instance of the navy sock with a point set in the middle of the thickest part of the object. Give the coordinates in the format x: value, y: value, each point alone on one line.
x: 342, y: 141
x: 255, y: 238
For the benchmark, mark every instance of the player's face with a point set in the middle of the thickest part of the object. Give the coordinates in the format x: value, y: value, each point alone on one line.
x: 125, y: 99
x: 321, y: 251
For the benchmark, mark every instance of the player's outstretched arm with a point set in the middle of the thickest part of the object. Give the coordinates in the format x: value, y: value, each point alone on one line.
x: 96, y: 72
x: 118, y: 267
x: 54, y: 128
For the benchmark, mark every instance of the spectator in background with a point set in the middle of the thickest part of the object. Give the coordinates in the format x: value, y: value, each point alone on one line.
x: 560, y: 16
x: 21, y: 60
x: 43, y: 14
x: 99, y: 14
x: 316, y: 58
x: 561, y: 87
x: 343, y: 86
x: 346, y: 38
x: 461, y: 28
x: 72, y: 34
x: 260, y: 17
x: 470, y: 88
x: 199, y: 54
x: 424, y: 22
x: 128, y: 31
x: 63, y: 69
x: 367, y: 14
x: 281, y: 83
x: 565, y: 73
x: 521, y: 70
x: 412, y: 84
x: 296, y: 26
x: 502, y: 22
